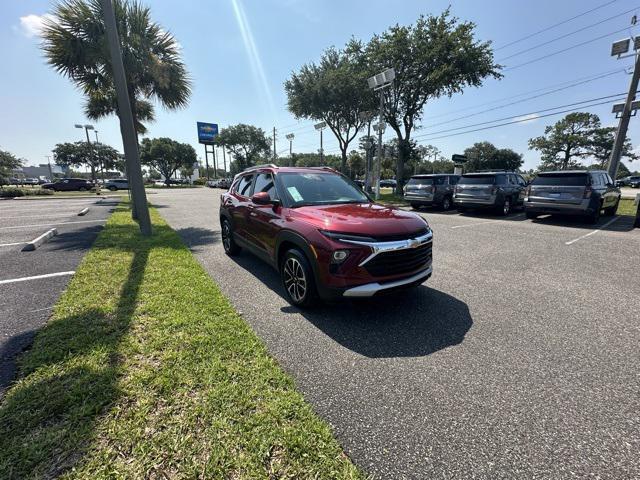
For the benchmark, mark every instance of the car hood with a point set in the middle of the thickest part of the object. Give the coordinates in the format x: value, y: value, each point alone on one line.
x: 368, y: 219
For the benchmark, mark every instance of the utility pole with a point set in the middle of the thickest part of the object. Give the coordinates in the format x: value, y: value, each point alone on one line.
x: 127, y: 129
x: 206, y: 160
x: 619, y: 48
x: 215, y: 164
x: 274, y: 145
x: 379, y: 82
x: 101, y: 162
x: 224, y: 159
x: 48, y: 157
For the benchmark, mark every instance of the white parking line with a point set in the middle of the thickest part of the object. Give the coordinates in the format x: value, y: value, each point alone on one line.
x: 70, y: 214
x: 593, y: 232
x: 489, y: 221
x: 11, y: 244
x: 52, y: 224
x: 36, y: 277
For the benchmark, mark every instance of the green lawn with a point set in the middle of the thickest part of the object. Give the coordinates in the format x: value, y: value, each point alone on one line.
x: 626, y: 207
x: 146, y: 371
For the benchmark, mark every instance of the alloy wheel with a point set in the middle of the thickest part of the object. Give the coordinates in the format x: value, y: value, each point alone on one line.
x: 506, y: 207
x: 226, y: 235
x: 295, y: 280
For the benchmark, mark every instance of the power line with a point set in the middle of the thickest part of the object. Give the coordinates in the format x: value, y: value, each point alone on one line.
x: 609, y: 97
x: 565, y: 49
x: 526, y: 37
x: 499, y: 107
x: 566, y: 35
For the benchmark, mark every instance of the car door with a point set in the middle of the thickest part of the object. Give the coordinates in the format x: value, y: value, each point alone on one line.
x: 522, y: 186
x: 239, y: 205
x: 611, y: 191
x: 263, y: 219
x: 64, y: 185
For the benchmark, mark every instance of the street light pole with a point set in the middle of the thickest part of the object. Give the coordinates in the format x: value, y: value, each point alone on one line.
x: 127, y: 127
x: 320, y: 126
x: 379, y: 82
x: 290, y: 137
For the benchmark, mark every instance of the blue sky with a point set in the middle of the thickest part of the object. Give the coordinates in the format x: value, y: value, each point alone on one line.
x: 239, y: 53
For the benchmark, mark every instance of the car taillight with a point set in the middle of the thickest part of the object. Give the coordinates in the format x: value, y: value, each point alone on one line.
x: 587, y: 192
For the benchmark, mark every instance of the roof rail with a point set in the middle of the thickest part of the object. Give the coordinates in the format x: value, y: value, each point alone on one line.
x: 494, y: 170
x: 266, y: 165
x: 330, y: 169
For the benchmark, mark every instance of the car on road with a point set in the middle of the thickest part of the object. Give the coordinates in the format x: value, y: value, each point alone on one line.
x: 116, y: 184
x: 501, y: 191
x: 634, y: 182
x: 572, y: 192
x: 323, y: 234
x: 389, y: 183
x: 69, y: 184
x: 431, y: 190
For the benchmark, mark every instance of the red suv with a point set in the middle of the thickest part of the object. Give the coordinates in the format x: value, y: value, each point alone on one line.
x: 323, y: 234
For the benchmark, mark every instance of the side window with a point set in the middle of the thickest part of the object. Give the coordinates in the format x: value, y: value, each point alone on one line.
x: 244, y: 186
x: 264, y: 183
x: 520, y: 181
x: 439, y: 180
x: 608, y: 179
x: 501, y: 179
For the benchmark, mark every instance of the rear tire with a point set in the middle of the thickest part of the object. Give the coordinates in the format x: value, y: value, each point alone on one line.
x: 415, y: 206
x: 446, y: 204
x: 505, y: 208
x: 531, y: 215
x: 297, y: 279
x: 112, y: 188
x: 231, y: 248
x: 595, y: 216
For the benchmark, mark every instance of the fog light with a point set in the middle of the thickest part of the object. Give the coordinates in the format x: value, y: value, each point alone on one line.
x: 339, y: 256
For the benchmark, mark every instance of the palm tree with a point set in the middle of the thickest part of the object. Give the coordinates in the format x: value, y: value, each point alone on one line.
x: 75, y: 45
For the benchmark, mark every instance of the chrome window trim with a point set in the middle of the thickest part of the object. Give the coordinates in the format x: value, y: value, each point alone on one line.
x: 383, y: 247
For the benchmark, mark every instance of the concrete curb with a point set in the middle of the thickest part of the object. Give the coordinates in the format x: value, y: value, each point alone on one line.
x: 83, y: 212
x: 36, y: 242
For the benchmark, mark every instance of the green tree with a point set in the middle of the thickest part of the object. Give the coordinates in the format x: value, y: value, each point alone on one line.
x: 436, y: 56
x: 8, y: 163
x: 601, y: 145
x: 246, y: 143
x: 94, y: 156
x: 334, y: 91
x: 567, y: 141
x: 486, y: 156
x: 75, y: 45
x: 166, y: 156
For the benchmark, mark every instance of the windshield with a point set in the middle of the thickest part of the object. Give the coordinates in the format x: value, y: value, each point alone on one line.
x: 319, y: 189
x: 477, y: 180
x: 564, y: 179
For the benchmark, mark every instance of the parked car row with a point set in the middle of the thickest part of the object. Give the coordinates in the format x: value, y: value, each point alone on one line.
x: 575, y: 192
x: 224, y: 183
x: 632, y: 181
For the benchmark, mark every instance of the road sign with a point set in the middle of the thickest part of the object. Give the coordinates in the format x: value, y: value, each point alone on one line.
x: 458, y: 158
x: 207, y: 132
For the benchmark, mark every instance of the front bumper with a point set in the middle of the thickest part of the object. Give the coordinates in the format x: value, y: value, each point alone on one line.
x: 370, y: 289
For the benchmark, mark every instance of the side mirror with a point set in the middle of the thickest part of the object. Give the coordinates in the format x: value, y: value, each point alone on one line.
x: 262, y: 198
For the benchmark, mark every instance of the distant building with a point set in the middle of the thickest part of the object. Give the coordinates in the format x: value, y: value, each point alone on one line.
x: 41, y: 170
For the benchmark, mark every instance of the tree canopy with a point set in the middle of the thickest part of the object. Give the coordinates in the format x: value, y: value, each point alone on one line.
x: 438, y: 55
x: 566, y: 142
x: 486, y: 156
x: 334, y: 91
x: 74, y: 43
x: 94, y: 156
x: 601, y: 145
x: 8, y: 163
x: 247, y: 144
x: 167, y: 156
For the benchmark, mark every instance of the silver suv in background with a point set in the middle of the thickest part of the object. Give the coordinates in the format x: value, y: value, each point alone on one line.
x: 572, y: 192
x: 431, y: 190
x: 116, y: 184
x: 498, y: 190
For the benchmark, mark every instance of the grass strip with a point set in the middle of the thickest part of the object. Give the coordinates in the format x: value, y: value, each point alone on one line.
x: 626, y: 207
x: 145, y: 370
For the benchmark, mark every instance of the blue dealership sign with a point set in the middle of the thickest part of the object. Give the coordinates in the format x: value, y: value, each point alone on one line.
x: 207, y: 132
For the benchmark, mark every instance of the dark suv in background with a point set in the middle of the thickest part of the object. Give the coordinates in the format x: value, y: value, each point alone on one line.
x: 431, y: 190
x: 69, y: 185
x: 572, y: 192
x: 323, y: 234
x: 500, y: 191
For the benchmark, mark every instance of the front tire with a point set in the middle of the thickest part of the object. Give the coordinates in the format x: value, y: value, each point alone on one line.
x: 505, y: 208
x: 415, y: 206
x: 297, y: 279
x: 612, y: 210
x: 112, y: 188
x: 230, y: 246
x: 446, y: 204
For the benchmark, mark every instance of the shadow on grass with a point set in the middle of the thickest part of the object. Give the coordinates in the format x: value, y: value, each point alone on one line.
x: 70, y: 376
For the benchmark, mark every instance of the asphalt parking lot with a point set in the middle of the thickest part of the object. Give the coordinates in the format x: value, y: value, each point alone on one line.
x: 517, y: 359
x: 31, y: 282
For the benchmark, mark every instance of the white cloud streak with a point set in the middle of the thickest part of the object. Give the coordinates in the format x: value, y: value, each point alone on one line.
x: 31, y: 25
x: 532, y: 117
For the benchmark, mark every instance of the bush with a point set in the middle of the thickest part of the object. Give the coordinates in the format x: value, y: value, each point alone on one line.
x: 21, y: 192
x: 200, y: 181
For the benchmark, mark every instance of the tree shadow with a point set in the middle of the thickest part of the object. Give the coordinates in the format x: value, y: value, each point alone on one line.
x: 623, y: 223
x: 8, y: 352
x: 70, y: 376
x: 408, y: 323
x: 198, y: 237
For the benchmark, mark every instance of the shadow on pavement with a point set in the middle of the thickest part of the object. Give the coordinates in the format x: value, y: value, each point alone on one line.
x: 623, y: 223
x: 410, y: 323
x: 197, y: 237
x: 8, y: 352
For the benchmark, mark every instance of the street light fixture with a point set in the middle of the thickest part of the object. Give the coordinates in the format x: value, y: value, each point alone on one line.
x: 290, y: 137
x: 379, y: 82
x: 88, y: 127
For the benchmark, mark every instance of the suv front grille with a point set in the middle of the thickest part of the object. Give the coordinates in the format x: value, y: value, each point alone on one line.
x: 399, y: 261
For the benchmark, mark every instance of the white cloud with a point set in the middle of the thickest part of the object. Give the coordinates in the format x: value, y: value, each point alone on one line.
x: 532, y: 117
x: 31, y: 25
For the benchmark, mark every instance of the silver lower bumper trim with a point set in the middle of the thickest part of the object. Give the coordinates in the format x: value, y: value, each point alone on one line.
x: 370, y: 289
